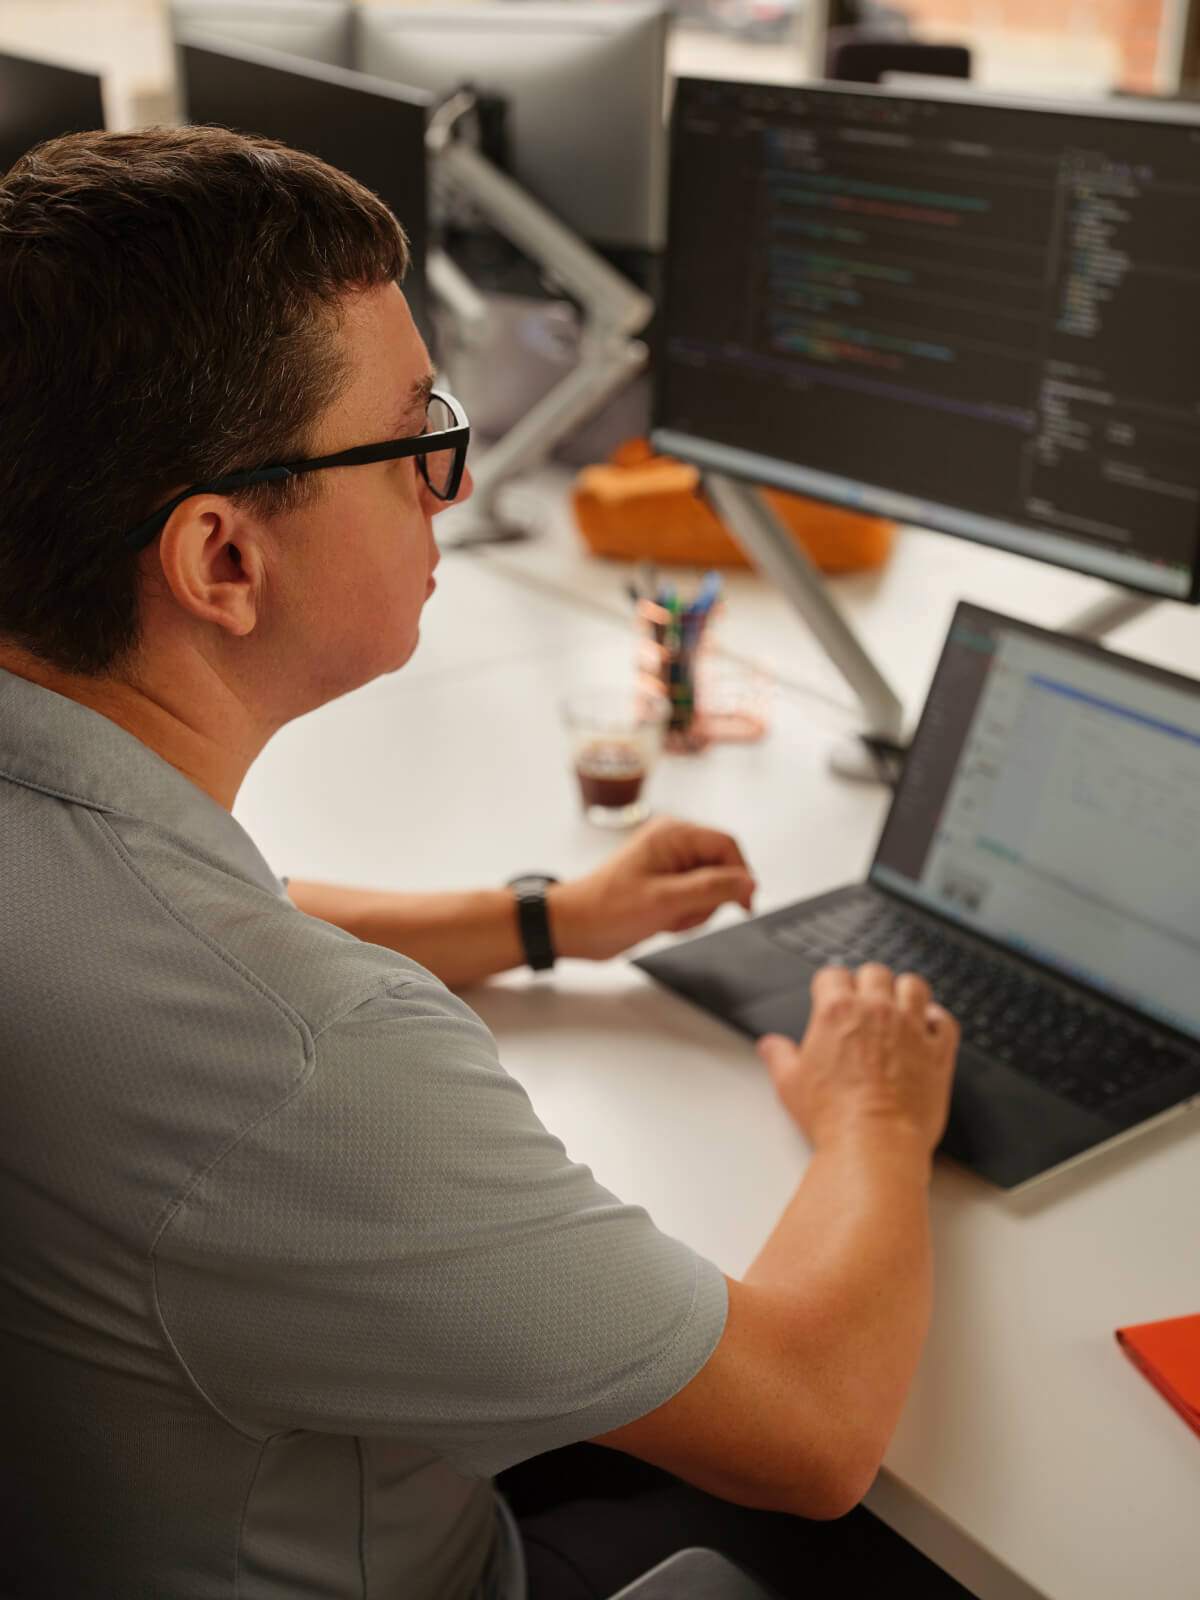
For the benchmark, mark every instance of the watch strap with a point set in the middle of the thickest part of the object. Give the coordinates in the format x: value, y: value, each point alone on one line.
x: 533, y: 921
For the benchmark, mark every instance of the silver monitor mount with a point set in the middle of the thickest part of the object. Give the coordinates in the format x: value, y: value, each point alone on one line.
x: 876, y: 755
x: 613, y: 312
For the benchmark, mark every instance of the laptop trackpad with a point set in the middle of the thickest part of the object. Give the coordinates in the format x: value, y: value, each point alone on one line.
x: 1008, y: 1128
x: 783, y: 1011
x: 1002, y: 1125
x: 719, y: 970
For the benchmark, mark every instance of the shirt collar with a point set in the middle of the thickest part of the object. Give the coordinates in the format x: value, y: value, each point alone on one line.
x: 53, y: 744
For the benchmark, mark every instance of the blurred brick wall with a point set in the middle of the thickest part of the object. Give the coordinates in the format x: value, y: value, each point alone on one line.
x: 1133, y: 24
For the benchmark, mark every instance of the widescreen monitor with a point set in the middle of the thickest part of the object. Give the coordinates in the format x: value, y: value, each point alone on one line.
x: 373, y: 130
x: 39, y: 101
x: 975, y: 316
x: 319, y: 30
x: 583, y: 88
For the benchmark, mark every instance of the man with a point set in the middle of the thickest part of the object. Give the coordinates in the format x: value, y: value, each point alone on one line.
x: 290, y: 1268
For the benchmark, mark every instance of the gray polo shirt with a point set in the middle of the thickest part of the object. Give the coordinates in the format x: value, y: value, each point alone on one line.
x: 288, y: 1265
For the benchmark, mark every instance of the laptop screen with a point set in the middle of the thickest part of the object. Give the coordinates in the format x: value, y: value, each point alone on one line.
x: 1051, y: 801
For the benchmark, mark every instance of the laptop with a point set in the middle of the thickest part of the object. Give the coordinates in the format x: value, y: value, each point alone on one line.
x: 1040, y: 866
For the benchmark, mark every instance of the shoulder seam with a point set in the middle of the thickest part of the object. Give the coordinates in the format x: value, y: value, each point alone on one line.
x: 173, y: 1206
x: 289, y: 1014
x: 378, y: 987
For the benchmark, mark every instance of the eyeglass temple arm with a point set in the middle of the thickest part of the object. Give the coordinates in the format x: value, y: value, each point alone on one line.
x: 138, y: 538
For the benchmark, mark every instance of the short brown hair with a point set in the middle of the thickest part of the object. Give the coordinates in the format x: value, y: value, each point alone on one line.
x: 167, y: 306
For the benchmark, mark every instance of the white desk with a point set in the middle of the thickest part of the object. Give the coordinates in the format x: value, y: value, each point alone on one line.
x: 902, y: 611
x: 1031, y: 1458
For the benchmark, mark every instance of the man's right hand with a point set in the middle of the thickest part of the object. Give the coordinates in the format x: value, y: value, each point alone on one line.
x: 878, y: 1053
x: 794, y: 1409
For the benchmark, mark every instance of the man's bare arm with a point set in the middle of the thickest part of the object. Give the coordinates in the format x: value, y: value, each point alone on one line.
x: 462, y: 936
x: 669, y: 875
x: 795, y: 1407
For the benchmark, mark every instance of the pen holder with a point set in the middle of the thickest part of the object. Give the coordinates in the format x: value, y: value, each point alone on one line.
x: 670, y: 647
x: 711, y: 697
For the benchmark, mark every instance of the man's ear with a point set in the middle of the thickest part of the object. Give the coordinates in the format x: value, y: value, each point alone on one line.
x: 211, y: 558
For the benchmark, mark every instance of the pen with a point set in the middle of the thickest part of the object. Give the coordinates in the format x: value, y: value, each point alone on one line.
x: 707, y: 593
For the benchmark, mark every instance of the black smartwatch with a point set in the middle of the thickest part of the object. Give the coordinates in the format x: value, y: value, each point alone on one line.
x: 530, y: 890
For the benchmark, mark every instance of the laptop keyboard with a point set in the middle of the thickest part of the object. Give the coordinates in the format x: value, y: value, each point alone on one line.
x: 1088, y: 1053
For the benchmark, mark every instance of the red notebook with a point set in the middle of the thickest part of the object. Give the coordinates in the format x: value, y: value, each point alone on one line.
x: 1168, y: 1353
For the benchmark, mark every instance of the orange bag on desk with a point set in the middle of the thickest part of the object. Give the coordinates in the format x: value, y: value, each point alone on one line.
x: 644, y: 507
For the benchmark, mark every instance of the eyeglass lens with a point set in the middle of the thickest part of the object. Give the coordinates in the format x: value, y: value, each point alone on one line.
x: 439, y: 464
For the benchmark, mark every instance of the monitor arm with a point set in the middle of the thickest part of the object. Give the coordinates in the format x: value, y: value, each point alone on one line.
x: 1111, y: 611
x: 876, y: 755
x: 449, y: 284
x: 613, y: 312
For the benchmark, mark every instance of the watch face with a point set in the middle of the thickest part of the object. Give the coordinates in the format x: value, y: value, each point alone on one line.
x: 531, y: 883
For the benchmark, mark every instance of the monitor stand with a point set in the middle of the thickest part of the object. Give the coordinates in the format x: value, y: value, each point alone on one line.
x: 1110, y: 611
x: 613, y: 311
x: 877, y: 755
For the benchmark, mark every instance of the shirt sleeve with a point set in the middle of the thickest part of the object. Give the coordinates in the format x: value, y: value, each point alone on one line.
x: 403, y: 1249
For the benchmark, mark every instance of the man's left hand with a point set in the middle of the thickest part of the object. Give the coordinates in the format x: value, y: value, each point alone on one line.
x: 670, y: 876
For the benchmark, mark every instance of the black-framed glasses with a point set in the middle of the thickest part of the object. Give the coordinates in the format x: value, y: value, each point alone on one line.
x: 441, y: 453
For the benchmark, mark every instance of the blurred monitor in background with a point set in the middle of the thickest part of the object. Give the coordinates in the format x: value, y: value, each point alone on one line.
x: 864, y: 60
x: 319, y: 30
x: 866, y: 43
x: 40, y: 101
x: 373, y: 130
x: 1189, y: 52
x: 581, y: 86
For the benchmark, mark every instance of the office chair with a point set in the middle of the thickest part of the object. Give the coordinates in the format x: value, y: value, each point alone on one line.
x: 859, y: 60
x: 694, y: 1575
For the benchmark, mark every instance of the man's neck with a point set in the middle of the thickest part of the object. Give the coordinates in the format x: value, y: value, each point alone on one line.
x: 213, y: 750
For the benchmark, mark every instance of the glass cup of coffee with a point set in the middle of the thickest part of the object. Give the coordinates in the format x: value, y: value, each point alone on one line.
x: 615, y: 736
